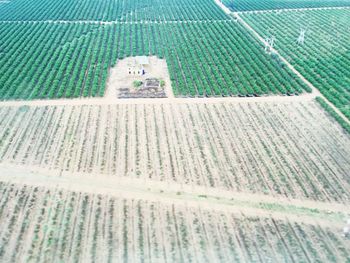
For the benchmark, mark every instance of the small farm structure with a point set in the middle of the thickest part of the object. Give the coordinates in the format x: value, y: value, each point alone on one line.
x: 136, y: 67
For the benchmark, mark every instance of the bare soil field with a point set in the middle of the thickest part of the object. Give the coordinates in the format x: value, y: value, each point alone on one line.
x: 52, y: 225
x: 283, y: 149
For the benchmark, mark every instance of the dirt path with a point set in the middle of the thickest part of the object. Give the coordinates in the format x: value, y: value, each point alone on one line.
x: 290, y: 9
x: 309, y: 212
x: 115, y: 22
x: 223, y: 7
x: 113, y: 101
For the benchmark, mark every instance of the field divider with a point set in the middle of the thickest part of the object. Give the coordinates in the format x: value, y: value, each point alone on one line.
x: 176, y: 100
x: 97, y: 22
x: 289, y: 10
x: 304, y: 211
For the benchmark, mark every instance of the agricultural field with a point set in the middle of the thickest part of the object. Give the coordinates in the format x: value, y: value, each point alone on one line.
x: 109, y: 10
x: 256, y: 5
x: 53, y: 225
x: 170, y: 131
x: 70, y: 60
x: 324, y: 58
x: 281, y: 149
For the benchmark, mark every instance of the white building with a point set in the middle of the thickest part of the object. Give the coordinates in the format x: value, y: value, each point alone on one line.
x: 137, y: 66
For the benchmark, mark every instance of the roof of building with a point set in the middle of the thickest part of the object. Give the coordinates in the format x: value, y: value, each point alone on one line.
x: 143, y: 60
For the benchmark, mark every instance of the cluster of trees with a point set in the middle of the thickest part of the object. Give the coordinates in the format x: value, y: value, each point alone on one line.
x: 324, y: 58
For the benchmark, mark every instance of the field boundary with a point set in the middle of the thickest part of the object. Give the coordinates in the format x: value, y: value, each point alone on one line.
x: 290, y: 10
x: 117, y: 22
x: 179, y: 100
x: 304, y: 211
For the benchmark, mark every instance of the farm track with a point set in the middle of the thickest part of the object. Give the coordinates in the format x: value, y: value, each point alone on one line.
x: 97, y: 22
x: 310, y: 212
x: 174, y: 100
x: 282, y: 148
x: 289, y: 10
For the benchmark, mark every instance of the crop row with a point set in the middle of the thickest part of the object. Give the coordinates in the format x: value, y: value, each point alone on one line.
x: 110, y: 10
x: 324, y: 58
x: 39, y: 224
x: 282, y: 149
x: 49, y: 60
x: 251, y: 5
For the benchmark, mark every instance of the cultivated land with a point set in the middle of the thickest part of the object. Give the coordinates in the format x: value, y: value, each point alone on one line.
x: 74, y: 59
x: 273, y: 148
x: 87, y: 177
x: 48, y: 224
x: 324, y: 57
x: 110, y: 10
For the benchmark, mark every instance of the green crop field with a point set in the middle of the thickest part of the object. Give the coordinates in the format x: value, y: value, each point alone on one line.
x: 110, y: 10
x: 250, y: 5
x: 54, y: 60
x: 324, y: 58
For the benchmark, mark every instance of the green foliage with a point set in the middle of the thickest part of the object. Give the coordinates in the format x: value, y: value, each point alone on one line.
x: 162, y: 83
x: 137, y: 83
x: 49, y: 60
x: 111, y: 10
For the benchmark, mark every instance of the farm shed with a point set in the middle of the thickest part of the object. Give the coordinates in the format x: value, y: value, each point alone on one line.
x: 137, y: 66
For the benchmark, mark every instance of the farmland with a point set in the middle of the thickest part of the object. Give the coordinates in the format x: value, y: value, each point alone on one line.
x: 73, y: 60
x: 109, y: 10
x: 174, y: 131
x: 48, y: 224
x: 323, y: 58
x: 249, y: 147
x: 254, y: 5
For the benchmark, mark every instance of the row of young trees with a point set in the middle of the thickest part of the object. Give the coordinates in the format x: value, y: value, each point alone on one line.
x: 72, y: 60
x: 110, y: 10
x: 324, y: 57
